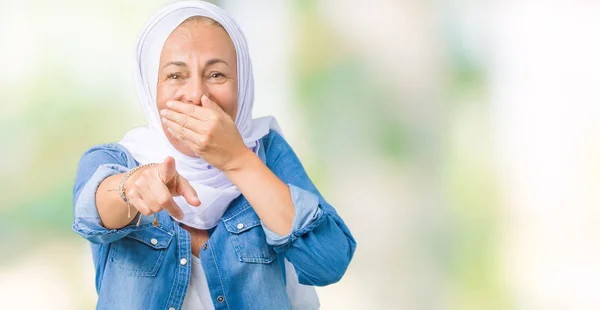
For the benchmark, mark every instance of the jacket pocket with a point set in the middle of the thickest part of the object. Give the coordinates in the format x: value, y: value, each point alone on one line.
x: 141, y: 252
x: 248, y: 237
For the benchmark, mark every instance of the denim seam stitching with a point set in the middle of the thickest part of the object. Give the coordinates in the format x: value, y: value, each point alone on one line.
x: 246, y: 207
x: 219, y: 274
x: 138, y: 272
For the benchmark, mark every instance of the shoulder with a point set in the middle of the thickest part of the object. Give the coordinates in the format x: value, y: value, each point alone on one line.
x: 274, y: 141
x: 275, y: 146
x: 280, y: 156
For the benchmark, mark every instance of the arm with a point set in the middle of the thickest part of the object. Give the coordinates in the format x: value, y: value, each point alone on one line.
x: 148, y: 190
x: 101, y: 214
x: 268, y: 195
x: 96, y: 165
x: 320, y: 245
x: 298, y: 222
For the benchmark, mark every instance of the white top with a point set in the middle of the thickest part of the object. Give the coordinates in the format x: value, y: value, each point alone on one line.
x: 302, y: 297
x: 198, y: 295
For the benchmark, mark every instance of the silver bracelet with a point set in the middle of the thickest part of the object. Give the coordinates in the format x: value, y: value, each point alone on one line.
x: 122, y: 188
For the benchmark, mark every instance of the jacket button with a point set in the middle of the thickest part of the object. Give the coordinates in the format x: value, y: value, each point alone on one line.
x: 220, y: 299
x: 183, y: 261
x: 205, y: 246
x: 171, y: 308
x: 154, y: 241
x: 240, y: 226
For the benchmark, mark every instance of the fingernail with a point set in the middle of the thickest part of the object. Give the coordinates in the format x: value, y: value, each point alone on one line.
x: 163, y: 112
x: 170, y: 104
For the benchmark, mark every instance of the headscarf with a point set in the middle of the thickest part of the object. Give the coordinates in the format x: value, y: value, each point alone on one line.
x: 150, y: 144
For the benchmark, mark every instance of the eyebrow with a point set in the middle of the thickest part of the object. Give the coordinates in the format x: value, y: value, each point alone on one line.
x: 175, y: 63
x: 213, y: 61
x: 209, y: 62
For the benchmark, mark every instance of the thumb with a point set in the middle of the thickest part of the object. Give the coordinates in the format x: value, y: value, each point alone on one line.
x: 207, y: 103
x: 166, y: 170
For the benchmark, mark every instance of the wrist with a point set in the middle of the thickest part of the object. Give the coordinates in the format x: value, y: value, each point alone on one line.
x: 240, y: 161
x: 127, y: 178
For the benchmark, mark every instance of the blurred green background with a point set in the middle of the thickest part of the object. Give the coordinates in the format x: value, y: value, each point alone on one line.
x: 457, y: 139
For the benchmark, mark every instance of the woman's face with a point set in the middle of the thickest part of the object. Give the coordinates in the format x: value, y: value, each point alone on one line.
x: 198, y: 58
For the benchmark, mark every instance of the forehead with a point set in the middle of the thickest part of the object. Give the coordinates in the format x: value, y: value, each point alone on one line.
x: 199, y: 37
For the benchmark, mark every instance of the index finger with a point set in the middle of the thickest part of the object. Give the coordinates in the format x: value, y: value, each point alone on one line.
x: 163, y: 197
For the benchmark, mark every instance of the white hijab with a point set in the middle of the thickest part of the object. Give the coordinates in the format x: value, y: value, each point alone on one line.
x: 150, y: 144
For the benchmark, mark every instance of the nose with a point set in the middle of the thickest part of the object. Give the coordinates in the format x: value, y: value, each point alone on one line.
x: 193, y: 91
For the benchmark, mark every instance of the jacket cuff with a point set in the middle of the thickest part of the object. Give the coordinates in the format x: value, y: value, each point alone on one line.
x: 307, y: 215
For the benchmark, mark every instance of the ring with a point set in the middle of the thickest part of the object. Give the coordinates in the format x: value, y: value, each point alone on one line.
x: 185, y: 120
x: 181, y: 133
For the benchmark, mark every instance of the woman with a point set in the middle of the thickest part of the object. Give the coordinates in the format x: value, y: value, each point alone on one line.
x: 205, y: 207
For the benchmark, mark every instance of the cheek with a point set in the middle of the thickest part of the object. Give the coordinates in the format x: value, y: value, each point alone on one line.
x: 164, y: 93
x: 226, y: 96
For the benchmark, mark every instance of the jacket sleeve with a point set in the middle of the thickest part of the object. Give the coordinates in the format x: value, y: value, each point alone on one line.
x: 320, y: 245
x: 95, y: 165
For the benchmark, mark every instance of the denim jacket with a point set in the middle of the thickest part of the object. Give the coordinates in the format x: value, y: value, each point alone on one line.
x: 147, y: 267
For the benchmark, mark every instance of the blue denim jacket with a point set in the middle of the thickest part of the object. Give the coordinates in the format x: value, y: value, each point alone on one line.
x: 147, y: 267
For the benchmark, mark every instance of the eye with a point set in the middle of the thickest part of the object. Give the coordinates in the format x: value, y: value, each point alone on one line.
x: 174, y: 76
x: 217, y: 75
